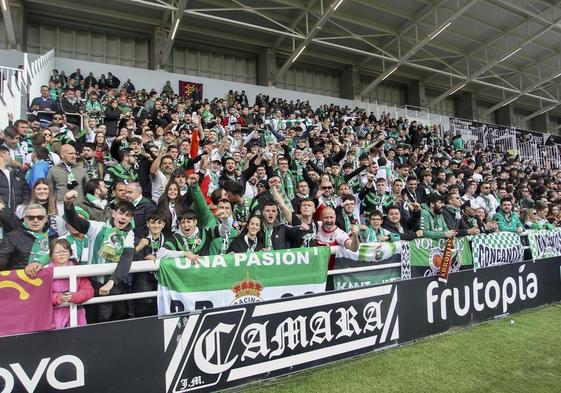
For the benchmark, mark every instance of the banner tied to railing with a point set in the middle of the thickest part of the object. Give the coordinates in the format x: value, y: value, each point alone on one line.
x: 25, y: 302
x: 385, y: 256
x: 233, y: 279
x: 424, y: 257
x: 545, y: 243
x: 496, y: 249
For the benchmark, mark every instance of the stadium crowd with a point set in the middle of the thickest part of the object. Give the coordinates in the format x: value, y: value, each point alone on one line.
x: 99, y: 172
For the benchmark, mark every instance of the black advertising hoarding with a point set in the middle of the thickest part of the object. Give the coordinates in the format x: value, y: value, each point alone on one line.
x: 215, y: 349
x: 220, y: 348
x: 123, y: 356
x: 428, y: 307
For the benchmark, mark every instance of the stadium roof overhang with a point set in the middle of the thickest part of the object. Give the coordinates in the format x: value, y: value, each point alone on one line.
x: 500, y: 50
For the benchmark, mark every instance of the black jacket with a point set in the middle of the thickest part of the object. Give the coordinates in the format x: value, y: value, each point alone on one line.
x: 239, y: 245
x: 15, y: 249
x: 16, y: 191
x: 453, y: 223
x: 143, y: 210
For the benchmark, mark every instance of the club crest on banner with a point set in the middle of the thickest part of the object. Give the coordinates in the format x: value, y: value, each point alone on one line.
x: 247, y: 291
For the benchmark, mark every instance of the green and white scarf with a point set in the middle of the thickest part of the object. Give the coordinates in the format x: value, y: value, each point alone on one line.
x: 109, y: 245
x: 287, y: 185
x: 40, y: 249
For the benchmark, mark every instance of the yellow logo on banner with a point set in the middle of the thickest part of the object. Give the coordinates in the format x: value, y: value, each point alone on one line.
x: 23, y: 294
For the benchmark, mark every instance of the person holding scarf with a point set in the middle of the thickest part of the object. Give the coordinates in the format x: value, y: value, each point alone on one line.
x: 345, y: 214
x: 79, y: 243
x: 67, y: 175
x: 221, y: 226
x: 110, y: 242
x: 26, y: 246
x: 373, y: 231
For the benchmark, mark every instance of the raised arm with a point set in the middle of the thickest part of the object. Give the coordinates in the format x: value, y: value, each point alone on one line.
x: 70, y: 216
x: 278, y: 198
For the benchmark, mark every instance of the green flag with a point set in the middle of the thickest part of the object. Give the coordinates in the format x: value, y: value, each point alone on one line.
x: 231, y: 279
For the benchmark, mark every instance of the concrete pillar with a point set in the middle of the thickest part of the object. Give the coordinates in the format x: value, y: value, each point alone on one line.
x: 541, y: 123
x: 157, y: 45
x: 266, y: 67
x: 505, y: 116
x: 466, y: 107
x: 416, y: 94
x: 17, y: 13
x: 350, y: 83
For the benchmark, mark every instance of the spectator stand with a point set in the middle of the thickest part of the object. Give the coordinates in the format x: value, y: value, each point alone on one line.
x: 16, y: 85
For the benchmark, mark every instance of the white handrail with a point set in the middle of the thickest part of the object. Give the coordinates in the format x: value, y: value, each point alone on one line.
x: 72, y: 273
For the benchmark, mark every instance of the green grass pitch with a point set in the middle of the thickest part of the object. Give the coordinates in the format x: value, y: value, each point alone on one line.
x: 498, y: 356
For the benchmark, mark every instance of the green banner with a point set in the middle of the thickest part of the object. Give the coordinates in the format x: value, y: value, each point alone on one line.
x: 384, y: 258
x: 424, y: 256
x: 545, y: 243
x: 496, y: 249
x: 222, y: 280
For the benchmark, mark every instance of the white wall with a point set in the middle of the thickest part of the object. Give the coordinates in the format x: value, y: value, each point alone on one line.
x: 14, y: 58
x: 212, y: 87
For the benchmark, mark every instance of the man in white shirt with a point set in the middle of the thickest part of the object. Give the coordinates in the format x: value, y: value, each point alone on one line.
x: 487, y: 200
x: 160, y: 172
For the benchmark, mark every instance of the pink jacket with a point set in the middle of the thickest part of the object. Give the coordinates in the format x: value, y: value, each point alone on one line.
x: 85, y: 292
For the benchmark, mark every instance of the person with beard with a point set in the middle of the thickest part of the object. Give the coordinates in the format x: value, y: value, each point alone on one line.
x: 432, y: 221
x: 302, y: 192
x: 67, y: 175
x: 454, y: 219
x: 329, y: 234
x: 160, y: 171
x: 111, y: 242
x: 95, y: 169
x: 486, y: 199
x: 95, y: 202
x: 507, y: 220
x: 124, y: 171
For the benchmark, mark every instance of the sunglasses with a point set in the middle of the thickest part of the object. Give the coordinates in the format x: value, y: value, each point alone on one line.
x: 35, y: 218
x: 57, y: 118
x: 47, y: 134
x: 327, y: 188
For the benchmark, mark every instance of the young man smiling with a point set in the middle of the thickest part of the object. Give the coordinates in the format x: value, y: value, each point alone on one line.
x: 111, y: 242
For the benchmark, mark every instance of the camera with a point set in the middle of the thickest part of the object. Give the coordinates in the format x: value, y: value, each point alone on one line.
x: 72, y: 184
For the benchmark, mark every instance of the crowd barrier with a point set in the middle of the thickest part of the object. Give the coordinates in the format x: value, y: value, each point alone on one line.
x: 47, y: 116
x: 213, y: 349
x: 379, y: 262
x: 533, y: 147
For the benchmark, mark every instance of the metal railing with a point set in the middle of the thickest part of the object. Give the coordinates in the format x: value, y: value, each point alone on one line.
x: 72, y: 273
x: 16, y: 85
x: 74, y: 118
